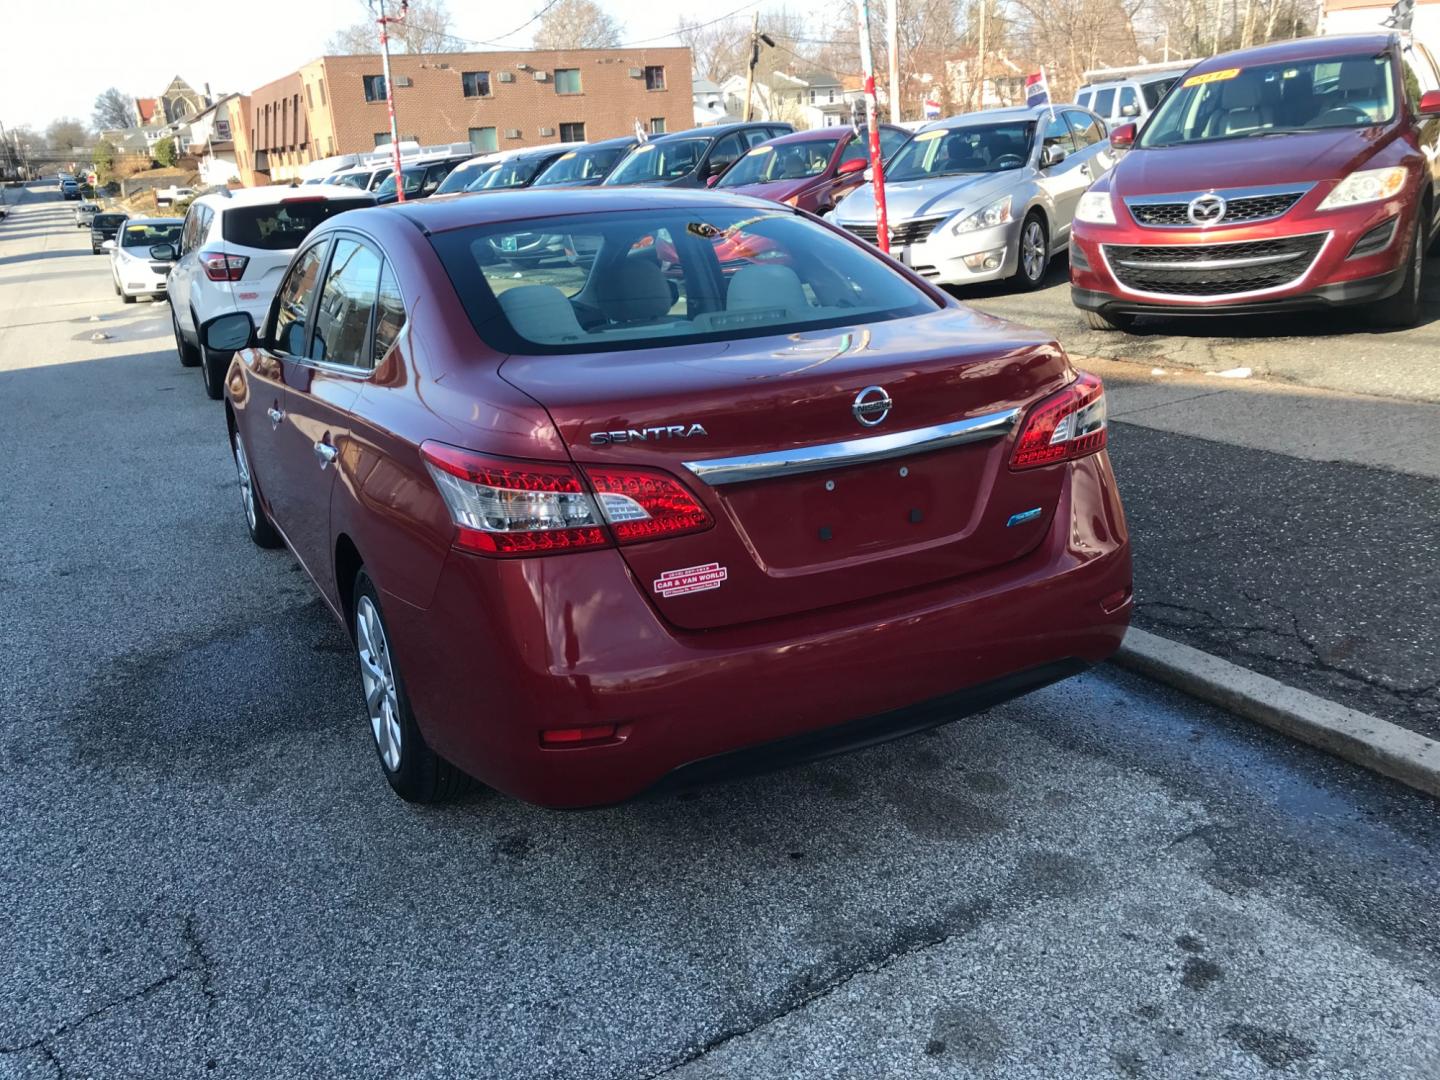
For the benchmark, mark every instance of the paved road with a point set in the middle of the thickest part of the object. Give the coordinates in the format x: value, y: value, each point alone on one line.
x: 1333, y: 350
x: 203, y: 874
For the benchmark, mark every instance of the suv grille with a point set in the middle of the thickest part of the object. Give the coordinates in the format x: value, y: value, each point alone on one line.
x: 1240, y: 209
x: 1214, y: 269
x: 901, y: 232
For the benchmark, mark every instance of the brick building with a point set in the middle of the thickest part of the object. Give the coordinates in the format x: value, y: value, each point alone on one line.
x: 493, y: 100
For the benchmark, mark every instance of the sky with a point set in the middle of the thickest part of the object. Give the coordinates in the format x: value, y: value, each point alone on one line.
x: 74, y: 49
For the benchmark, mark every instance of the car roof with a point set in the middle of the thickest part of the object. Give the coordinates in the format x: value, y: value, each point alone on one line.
x: 274, y: 193
x: 605, y: 144
x: 1311, y: 48
x: 1015, y: 112
x: 816, y: 134
x: 1145, y: 77
x: 443, y: 215
x: 548, y: 148
x: 715, y: 130
x: 155, y: 221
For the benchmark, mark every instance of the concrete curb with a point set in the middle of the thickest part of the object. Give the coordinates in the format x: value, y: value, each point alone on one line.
x: 1357, y: 737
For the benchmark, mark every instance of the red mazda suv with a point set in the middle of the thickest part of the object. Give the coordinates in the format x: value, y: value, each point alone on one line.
x: 1288, y: 177
x: 712, y: 488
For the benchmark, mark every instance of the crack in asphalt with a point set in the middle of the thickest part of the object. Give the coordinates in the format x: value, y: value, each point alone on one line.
x: 200, y: 964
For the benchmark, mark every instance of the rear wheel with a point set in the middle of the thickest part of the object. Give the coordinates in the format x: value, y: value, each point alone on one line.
x: 1098, y: 320
x: 189, y: 354
x: 1034, y: 252
x: 414, y: 771
x: 1403, y: 309
x: 213, y: 366
x: 261, y: 531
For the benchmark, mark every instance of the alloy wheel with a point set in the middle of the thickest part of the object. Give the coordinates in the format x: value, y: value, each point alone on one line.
x: 247, y: 486
x: 378, y: 676
x: 1032, y: 250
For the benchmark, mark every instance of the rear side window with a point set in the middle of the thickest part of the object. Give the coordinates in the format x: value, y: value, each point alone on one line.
x: 389, y: 314
x: 1105, y: 102
x: 293, y: 302
x: 1088, y: 130
x: 281, y: 226
x: 1154, y: 91
x: 342, y: 318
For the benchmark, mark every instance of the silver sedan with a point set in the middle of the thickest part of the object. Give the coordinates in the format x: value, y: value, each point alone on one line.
x: 987, y: 195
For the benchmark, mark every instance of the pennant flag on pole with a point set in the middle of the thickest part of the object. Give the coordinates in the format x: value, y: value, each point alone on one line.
x: 640, y: 132
x: 932, y: 110
x: 1037, y: 90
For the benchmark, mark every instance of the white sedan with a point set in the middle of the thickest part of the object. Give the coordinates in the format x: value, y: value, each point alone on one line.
x: 142, y: 254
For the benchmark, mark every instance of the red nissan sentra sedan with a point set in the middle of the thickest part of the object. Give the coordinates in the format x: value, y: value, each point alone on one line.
x: 715, y: 488
x: 812, y: 170
x: 1294, y: 176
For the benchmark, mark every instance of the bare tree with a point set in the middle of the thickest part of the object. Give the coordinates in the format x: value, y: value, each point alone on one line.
x: 426, y: 28
x: 577, y: 24
x: 66, y: 132
x: 714, y: 48
x: 113, y: 109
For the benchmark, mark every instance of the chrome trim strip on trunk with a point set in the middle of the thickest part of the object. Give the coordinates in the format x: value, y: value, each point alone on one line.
x: 807, y: 459
x: 1207, y: 264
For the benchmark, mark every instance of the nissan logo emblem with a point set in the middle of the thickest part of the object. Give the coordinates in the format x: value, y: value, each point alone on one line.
x: 1206, y: 209
x: 871, y: 406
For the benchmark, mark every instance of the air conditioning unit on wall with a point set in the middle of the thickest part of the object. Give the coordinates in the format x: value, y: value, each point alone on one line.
x: 545, y: 133
x: 637, y: 73
x: 542, y: 76
x: 507, y: 76
x: 403, y: 80
x: 512, y: 133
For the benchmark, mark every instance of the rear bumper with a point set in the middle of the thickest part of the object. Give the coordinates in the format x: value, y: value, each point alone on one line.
x: 509, y: 647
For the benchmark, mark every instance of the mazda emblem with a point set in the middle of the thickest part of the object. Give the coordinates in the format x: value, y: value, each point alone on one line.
x: 871, y: 406
x: 1207, y: 209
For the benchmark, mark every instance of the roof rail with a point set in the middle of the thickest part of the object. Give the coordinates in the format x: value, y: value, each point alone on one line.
x: 1116, y: 73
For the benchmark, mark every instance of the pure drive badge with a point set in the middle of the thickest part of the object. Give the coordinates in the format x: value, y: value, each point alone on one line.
x: 649, y: 434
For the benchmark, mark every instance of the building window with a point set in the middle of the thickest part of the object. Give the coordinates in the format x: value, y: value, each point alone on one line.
x: 382, y: 138
x: 567, y: 80
x: 812, y: 97
x: 657, y: 125
x: 374, y: 87
x: 322, y: 91
x: 572, y: 132
x: 655, y: 77
x: 482, y: 140
x: 832, y: 97
x: 475, y: 83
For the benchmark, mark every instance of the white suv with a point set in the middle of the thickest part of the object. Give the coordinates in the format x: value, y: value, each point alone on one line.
x: 233, y: 251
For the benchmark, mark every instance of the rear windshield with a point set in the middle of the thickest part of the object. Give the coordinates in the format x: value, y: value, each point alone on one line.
x: 281, y: 226
x: 581, y: 165
x: 976, y: 148
x: 107, y: 221
x: 654, y: 161
x: 765, y: 163
x: 625, y: 280
x: 151, y: 233
x: 1275, y: 99
x: 463, y: 176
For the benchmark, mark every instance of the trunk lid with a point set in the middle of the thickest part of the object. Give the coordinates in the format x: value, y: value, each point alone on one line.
x: 797, y: 542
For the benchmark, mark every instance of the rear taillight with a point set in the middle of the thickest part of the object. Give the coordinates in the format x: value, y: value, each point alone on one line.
x: 1065, y: 426
x: 501, y: 506
x: 221, y: 267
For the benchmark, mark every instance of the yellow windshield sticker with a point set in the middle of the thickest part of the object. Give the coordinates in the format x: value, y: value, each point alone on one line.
x: 762, y: 150
x: 645, y: 149
x: 567, y: 157
x: 1211, y: 76
x: 926, y: 136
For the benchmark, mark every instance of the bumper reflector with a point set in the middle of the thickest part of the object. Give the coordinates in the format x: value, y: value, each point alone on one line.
x: 578, y: 736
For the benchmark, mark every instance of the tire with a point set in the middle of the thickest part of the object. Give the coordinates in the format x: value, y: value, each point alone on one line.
x: 1034, y: 257
x: 415, y: 772
x: 1097, y: 320
x: 213, y: 366
x: 261, y: 531
x: 189, y: 354
x: 116, y: 284
x: 1403, y: 309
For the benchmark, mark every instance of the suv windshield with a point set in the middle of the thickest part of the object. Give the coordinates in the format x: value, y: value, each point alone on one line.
x: 1275, y: 99
x: 617, y: 281
x: 660, y: 161
x: 148, y: 234
x: 765, y: 164
x: 463, y: 176
x: 978, y: 148
x: 281, y: 226
x: 581, y: 165
x: 517, y: 172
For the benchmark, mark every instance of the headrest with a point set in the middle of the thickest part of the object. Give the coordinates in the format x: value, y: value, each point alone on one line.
x: 634, y: 291
x: 540, y: 313
x: 765, y: 287
x: 1359, y: 74
x: 1240, y: 94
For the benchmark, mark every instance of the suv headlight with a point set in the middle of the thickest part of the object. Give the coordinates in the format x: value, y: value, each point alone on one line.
x: 987, y: 217
x: 1096, y: 208
x: 1367, y: 185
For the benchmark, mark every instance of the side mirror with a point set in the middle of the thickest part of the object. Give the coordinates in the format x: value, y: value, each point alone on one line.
x: 1123, y: 137
x: 1051, y: 155
x: 108, y: 245
x: 712, y: 179
x: 229, y: 332
x: 851, y: 167
x: 1430, y: 103
x: 163, y: 253
x: 1129, y: 110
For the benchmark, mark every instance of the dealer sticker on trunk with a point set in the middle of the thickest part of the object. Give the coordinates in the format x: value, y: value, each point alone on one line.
x: 692, y: 579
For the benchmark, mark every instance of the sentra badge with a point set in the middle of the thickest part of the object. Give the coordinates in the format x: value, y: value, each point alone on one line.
x: 649, y: 434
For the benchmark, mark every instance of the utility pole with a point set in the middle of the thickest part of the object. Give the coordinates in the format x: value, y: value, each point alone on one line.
x: 980, y: 53
x: 877, y: 163
x: 756, y: 37
x: 384, y: 22
x: 892, y: 45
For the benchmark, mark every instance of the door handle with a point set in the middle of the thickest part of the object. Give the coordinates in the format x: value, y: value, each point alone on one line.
x: 325, y: 453
x: 276, y: 415
x: 1085, y: 169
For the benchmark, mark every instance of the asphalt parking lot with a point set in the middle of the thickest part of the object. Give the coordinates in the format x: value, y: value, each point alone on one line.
x: 204, y: 874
